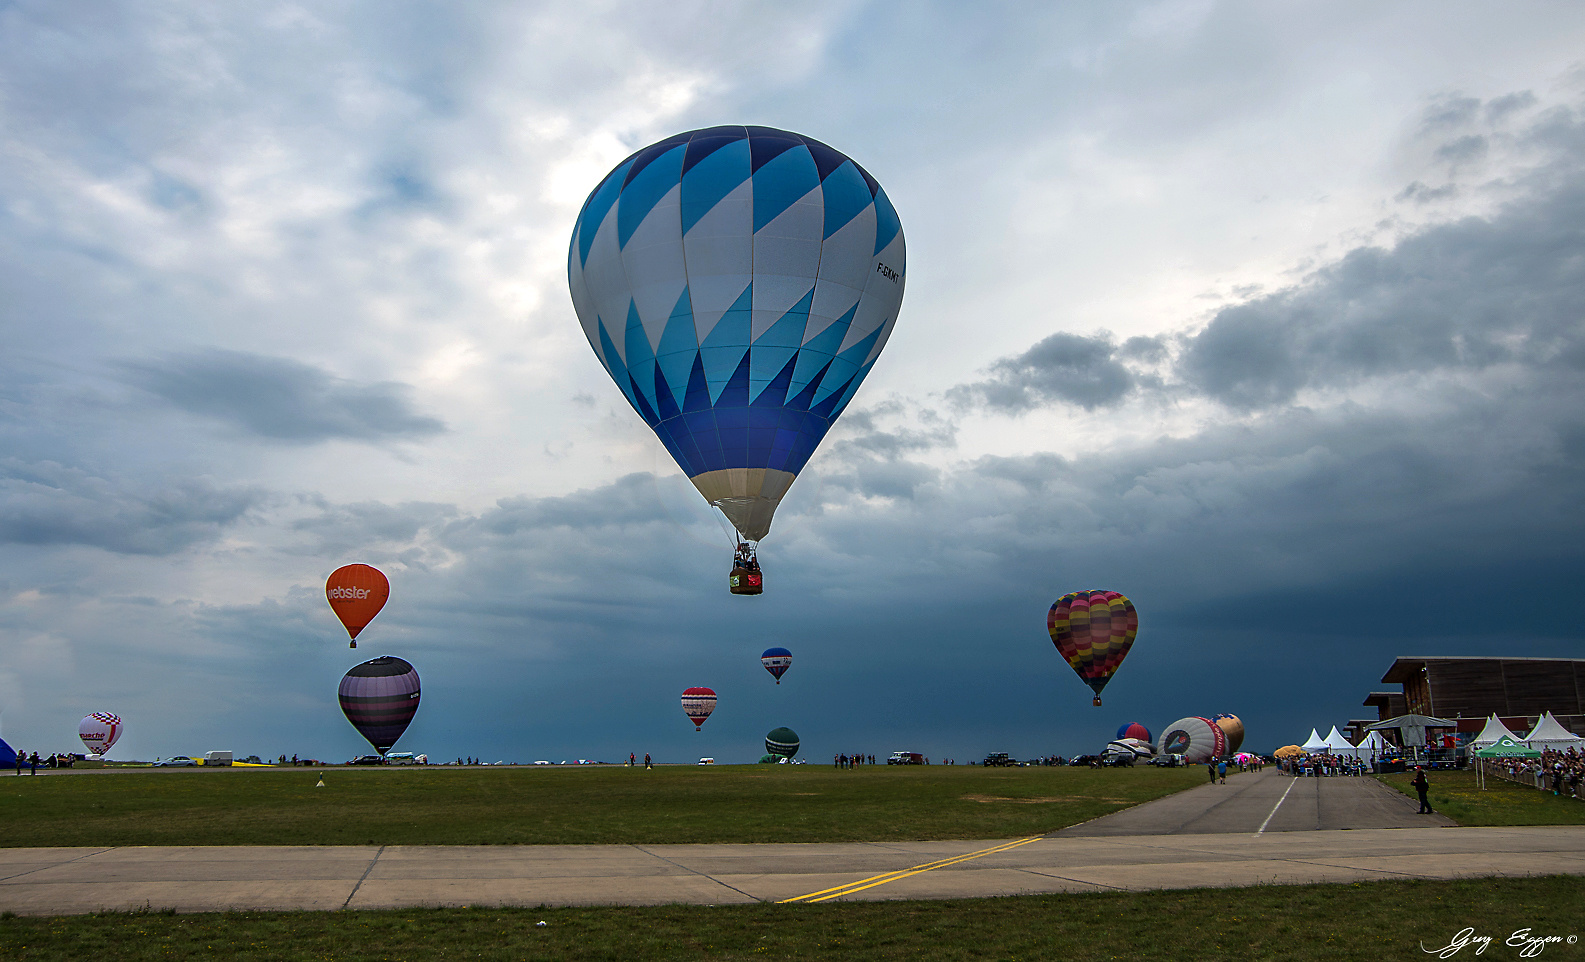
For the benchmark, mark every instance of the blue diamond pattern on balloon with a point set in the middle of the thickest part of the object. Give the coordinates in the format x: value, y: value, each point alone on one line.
x: 726, y: 382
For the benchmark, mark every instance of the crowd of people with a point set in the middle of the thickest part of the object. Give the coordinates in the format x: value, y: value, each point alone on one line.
x: 1317, y: 766
x: 1559, y: 772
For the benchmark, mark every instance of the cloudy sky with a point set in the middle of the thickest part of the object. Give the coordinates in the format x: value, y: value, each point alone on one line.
x: 1270, y: 316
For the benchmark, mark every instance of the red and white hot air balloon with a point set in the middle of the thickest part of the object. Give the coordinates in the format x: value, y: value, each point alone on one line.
x: 99, y: 731
x: 698, y: 703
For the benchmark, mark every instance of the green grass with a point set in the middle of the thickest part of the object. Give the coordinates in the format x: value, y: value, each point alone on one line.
x: 1455, y: 795
x: 1375, y: 920
x: 439, y: 806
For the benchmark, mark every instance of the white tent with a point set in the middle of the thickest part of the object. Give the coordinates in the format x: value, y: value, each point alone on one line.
x: 1337, y: 744
x: 1494, y: 732
x: 1547, y: 733
x: 1315, y: 744
x: 1371, y: 744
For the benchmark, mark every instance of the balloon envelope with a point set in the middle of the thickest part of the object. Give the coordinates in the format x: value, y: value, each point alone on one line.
x: 698, y: 703
x: 356, y: 594
x: 776, y: 661
x: 1196, y: 739
x: 782, y: 741
x: 99, y: 731
x: 1233, y: 726
x: 1093, y: 630
x: 380, y: 698
x: 738, y: 283
x: 1135, y: 730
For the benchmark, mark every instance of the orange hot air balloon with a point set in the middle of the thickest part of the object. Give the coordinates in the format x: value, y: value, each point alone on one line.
x: 356, y: 594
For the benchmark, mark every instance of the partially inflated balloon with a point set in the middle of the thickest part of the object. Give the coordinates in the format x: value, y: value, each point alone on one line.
x: 782, y: 741
x: 356, y: 594
x: 776, y: 661
x: 99, y: 731
x: 1093, y: 630
x: 1135, y: 730
x: 1196, y: 739
x: 1233, y: 726
x: 698, y: 703
x: 380, y: 698
x: 738, y: 284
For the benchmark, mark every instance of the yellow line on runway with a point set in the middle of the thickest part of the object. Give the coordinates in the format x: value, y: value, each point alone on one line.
x: 874, y: 880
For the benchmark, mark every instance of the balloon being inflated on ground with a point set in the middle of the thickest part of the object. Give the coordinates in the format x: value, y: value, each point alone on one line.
x: 1233, y: 727
x: 782, y: 741
x: 738, y: 284
x: 1196, y: 739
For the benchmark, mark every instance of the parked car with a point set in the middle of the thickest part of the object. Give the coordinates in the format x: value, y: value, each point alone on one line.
x: 999, y: 760
x: 368, y: 760
x: 176, y: 761
x: 906, y: 758
x: 1167, y: 761
x: 1090, y: 760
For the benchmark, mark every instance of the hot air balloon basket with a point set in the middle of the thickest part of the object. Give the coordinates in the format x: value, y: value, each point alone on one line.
x: 745, y: 581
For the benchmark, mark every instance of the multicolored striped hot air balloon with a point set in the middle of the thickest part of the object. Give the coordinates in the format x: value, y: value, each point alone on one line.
x: 1093, y: 630
x: 380, y: 698
x: 738, y: 284
x: 698, y: 703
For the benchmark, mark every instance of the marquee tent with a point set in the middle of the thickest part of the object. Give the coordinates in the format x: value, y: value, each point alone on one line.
x: 1371, y: 744
x: 1337, y: 744
x: 1315, y: 744
x: 1548, y: 733
x: 1494, y: 732
x: 1505, y: 747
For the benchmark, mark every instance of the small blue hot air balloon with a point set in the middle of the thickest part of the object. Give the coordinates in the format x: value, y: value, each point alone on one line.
x: 738, y: 284
x: 776, y: 661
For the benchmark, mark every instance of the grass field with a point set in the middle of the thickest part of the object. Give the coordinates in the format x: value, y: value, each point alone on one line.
x: 450, y: 806
x: 1377, y: 920
x: 1456, y: 795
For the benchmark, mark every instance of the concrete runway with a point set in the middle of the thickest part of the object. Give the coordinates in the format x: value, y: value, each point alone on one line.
x: 1084, y: 858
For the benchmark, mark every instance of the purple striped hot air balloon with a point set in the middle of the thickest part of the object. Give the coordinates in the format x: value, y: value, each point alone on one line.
x: 380, y: 698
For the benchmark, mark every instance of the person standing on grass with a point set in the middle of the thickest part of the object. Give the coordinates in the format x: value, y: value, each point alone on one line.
x: 1422, y: 785
x: 33, y: 764
x: 646, y: 762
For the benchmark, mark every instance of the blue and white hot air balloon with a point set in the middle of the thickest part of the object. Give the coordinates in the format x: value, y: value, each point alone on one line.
x: 738, y: 283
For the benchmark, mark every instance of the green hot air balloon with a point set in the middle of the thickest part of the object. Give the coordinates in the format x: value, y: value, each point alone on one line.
x: 782, y: 741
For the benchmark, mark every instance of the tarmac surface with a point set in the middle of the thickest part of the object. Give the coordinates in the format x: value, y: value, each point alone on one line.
x: 1337, y: 830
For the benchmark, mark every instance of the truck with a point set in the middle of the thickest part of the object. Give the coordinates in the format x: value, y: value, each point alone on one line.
x: 906, y: 758
x: 217, y: 758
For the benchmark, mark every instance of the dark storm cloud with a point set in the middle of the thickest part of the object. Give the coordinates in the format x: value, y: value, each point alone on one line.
x: 1064, y: 367
x: 1461, y: 296
x: 45, y: 503
x: 282, y: 399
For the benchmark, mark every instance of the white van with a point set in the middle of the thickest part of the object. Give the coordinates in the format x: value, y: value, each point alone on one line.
x: 217, y: 758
